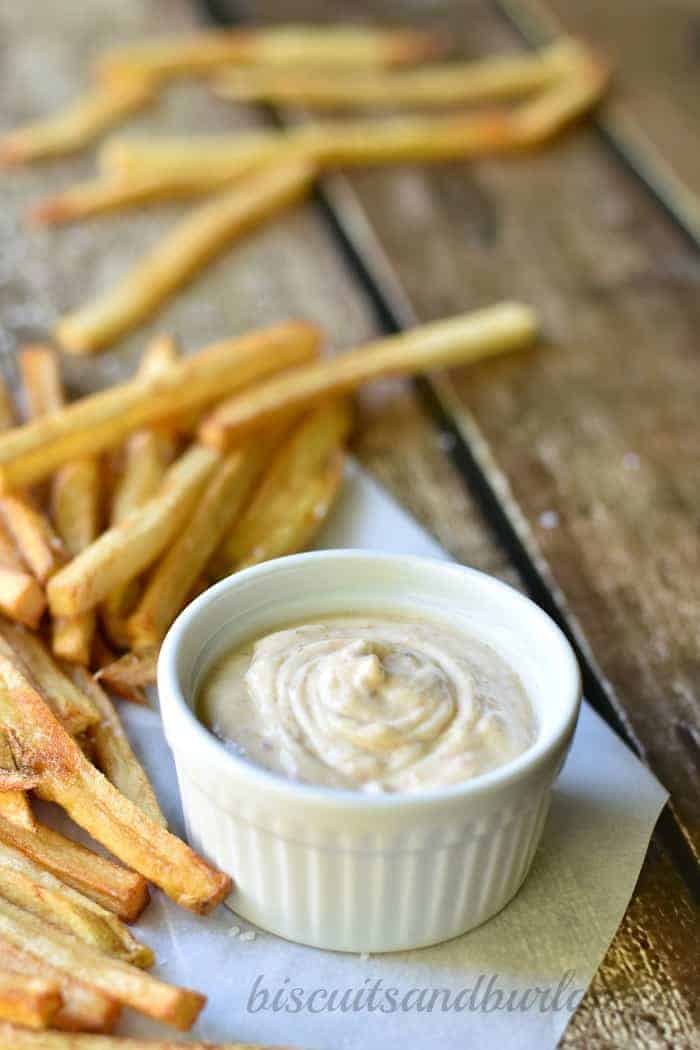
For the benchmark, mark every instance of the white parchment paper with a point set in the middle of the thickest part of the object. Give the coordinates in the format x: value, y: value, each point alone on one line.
x: 542, y: 950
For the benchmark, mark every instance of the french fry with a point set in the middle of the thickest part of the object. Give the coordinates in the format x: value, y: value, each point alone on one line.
x: 12, y: 1038
x: 14, y: 805
x: 113, y: 753
x: 197, y: 239
x: 122, y: 892
x: 133, y: 160
x: 83, y: 1009
x: 295, y: 493
x: 331, y: 46
x: 69, y: 779
x: 456, y: 83
x: 40, y: 547
x: 7, y: 408
x: 73, y: 708
x: 147, y: 454
x: 107, y: 194
x: 455, y: 341
x: 75, y: 494
x: 127, y: 675
x: 127, y: 984
x: 29, y: 886
x: 22, y: 597
x: 31, y: 1002
x: 92, y: 424
x: 539, y: 119
x: 176, y: 574
x: 125, y: 550
x: 328, y: 145
x: 77, y: 125
x: 131, y: 671
x: 15, y: 776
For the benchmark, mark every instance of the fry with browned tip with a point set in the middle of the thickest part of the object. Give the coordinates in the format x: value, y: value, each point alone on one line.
x: 69, y: 779
x: 112, y: 751
x: 14, y: 805
x: 292, y: 45
x: 454, y: 341
x: 75, y: 126
x: 100, y: 421
x: 83, y: 1009
x: 197, y: 239
x: 544, y: 116
x: 127, y: 984
x: 130, y: 674
x: 109, y: 193
x: 449, y: 84
x: 31, y: 1002
x: 118, y: 890
x: 31, y: 887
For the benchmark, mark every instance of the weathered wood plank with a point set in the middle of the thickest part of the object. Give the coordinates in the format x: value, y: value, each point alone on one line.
x: 654, y: 113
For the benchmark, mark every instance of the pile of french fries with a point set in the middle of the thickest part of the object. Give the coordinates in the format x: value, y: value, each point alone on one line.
x: 115, y: 510
x: 252, y: 176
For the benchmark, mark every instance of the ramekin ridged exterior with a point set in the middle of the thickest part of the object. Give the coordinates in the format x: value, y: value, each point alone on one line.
x: 344, y: 870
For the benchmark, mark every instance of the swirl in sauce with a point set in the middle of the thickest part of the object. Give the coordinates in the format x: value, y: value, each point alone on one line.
x: 383, y: 704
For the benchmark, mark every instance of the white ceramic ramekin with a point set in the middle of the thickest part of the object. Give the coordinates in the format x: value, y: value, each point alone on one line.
x: 340, y: 869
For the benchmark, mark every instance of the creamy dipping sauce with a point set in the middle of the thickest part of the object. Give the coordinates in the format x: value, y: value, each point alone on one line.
x: 371, y: 704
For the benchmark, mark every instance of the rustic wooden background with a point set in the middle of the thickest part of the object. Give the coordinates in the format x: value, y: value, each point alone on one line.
x: 572, y: 471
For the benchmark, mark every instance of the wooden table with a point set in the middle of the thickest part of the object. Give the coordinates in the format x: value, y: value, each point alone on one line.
x: 572, y: 471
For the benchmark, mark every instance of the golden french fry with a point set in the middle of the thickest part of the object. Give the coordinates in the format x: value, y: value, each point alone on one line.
x: 128, y: 675
x: 12, y: 1038
x: 75, y: 495
x: 125, y: 550
x: 330, y: 46
x: 112, y: 750
x: 41, y: 379
x: 176, y: 574
x: 134, y: 160
x: 73, y: 708
x: 112, y: 977
x: 295, y: 494
x: 40, y: 547
x: 69, y: 779
x: 22, y: 597
x: 327, y: 144
x: 73, y: 127
x: 92, y: 424
x: 106, y: 194
x: 31, y: 1002
x: 118, y: 890
x: 14, y: 805
x: 7, y: 409
x: 198, y: 238
x: 455, y: 341
x: 83, y: 1009
x: 486, y: 79
x: 29, y: 886
x: 539, y: 119
x: 147, y: 454
x: 16, y: 776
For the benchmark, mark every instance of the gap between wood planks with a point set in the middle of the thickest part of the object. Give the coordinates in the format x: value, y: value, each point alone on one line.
x: 395, y: 313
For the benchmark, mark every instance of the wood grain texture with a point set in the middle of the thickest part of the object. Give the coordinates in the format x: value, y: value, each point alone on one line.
x: 654, y: 112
